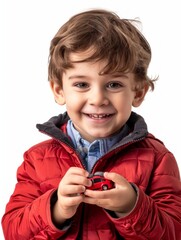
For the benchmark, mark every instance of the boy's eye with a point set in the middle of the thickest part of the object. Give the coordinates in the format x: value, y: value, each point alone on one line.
x: 114, y: 85
x: 81, y: 85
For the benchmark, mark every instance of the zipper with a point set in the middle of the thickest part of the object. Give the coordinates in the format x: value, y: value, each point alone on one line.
x: 124, y: 145
x: 78, y: 156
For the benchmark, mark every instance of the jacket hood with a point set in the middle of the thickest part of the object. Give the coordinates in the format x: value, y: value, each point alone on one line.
x: 53, y: 128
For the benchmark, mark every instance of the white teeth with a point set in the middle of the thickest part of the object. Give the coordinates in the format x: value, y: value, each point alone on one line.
x: 99, y: 116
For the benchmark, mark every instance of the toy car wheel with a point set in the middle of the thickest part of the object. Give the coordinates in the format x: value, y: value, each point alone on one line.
x: 104, y: 187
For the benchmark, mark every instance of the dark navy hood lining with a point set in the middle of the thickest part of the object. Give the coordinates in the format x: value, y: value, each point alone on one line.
x: 136, y: 123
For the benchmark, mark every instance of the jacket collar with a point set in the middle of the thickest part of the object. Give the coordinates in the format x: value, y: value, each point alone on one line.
x: 56, y: 127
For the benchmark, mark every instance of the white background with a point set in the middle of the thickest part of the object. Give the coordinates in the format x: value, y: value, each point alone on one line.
x: 27, y: 28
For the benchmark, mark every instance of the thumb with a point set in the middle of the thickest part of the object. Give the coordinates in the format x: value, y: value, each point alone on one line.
x: 112, y: 176
x: 116, y: 178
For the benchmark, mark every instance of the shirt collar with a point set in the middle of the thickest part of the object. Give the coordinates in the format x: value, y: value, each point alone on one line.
x: 105, y: 144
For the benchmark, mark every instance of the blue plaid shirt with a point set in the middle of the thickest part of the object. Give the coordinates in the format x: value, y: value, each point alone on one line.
x: 91, y: 152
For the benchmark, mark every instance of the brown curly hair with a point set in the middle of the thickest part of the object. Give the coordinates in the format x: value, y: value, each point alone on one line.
x: 116, y: 40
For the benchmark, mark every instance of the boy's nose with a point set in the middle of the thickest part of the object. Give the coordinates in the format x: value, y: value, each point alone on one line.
x: 98, y: 98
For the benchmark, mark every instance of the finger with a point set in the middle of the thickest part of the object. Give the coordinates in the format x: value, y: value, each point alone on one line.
x: 77, y: 171
x: 99, y: 194
x: 104, y: 203
x: 72, y: 189
x: 70, y: 201
x: 111, y: 176
x: 117, y: 178
x: 76, y: 176
x: 76, y: 180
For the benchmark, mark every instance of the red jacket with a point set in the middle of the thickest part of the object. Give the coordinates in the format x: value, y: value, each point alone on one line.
x: 140, y: 158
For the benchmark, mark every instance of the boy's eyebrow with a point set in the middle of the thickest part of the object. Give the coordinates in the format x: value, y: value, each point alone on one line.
x: 117, y: 75
x: 77, y: 76
x: 110, y: 75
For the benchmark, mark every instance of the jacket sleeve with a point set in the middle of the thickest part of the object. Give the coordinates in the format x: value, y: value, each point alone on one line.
x: 157, y: 214
x: 28, y: 214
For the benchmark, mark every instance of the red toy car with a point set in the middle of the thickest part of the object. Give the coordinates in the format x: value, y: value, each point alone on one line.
x: 99, y: 182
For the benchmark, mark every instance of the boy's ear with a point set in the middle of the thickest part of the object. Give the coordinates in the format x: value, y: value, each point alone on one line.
x: 57, y: 92
x: 140, y: 95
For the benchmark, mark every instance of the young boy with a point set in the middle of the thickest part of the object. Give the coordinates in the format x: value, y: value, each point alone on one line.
x: 97, y: 67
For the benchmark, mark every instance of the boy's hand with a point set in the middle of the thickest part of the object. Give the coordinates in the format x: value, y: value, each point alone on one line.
x: 120, y: 199
x: 70, y: 190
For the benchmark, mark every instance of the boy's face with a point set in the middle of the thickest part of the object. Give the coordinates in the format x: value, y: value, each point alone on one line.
x: 98, y: 105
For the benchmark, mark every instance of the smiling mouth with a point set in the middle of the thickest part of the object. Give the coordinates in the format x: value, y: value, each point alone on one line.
x: 99, y: 116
